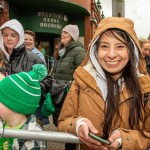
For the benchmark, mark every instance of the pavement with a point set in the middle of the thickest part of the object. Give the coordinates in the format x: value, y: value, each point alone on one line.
x: 53, y: 145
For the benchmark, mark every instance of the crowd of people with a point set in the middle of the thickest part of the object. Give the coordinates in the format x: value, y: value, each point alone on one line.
x: 109, y: 94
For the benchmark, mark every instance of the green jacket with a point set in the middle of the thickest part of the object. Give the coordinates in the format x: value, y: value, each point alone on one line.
x: 66, y: 65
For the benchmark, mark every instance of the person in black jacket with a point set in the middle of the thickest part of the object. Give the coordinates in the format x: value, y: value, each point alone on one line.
x: 12, y: 44
x: 17, y: 56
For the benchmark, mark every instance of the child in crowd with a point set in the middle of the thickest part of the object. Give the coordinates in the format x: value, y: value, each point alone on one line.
x: 19, y: 98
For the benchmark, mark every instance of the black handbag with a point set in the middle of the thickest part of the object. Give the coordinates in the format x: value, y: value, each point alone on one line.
x: 58, y: 93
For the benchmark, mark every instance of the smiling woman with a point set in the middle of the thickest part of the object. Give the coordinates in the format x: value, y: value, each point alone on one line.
x: 70, y: 53
x: 29, y: 39
x: 108, y: 85
x: 113, y: 53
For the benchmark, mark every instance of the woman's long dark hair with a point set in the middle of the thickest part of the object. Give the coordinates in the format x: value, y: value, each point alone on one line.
x: 56, y: 51
x: 131, y: 82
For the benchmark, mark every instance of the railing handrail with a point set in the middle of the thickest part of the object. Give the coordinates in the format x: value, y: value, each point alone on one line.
x: 40, y: 135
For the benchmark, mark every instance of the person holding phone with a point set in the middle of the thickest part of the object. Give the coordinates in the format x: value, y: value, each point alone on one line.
x: 109, y: 97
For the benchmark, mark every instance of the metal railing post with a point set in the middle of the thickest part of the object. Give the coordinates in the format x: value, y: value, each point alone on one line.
x: 40, y: 135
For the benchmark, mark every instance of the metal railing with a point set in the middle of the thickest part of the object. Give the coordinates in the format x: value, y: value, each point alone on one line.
x: 40, y: 135
x: 49, y: 61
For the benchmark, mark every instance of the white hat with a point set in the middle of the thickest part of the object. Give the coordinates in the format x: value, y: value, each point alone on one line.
x: 73, y: 30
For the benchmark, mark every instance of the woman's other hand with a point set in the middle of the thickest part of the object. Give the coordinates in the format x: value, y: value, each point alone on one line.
x: 115, y: 139
x: 86, y: 127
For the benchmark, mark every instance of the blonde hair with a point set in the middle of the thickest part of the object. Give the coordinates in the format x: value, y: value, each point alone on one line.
x: 30, y: 33
x: 142, y: 41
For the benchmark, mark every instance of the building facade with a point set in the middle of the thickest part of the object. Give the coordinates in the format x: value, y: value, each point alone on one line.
x: 118, y: 8
x: 47, y: 18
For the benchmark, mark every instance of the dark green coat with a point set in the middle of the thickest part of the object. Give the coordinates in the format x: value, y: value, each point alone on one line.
x: 66, y: 65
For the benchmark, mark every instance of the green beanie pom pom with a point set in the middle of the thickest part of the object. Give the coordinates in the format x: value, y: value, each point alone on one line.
x: 40, y: 70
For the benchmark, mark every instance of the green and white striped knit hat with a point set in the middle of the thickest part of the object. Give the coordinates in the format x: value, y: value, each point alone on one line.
x: 22, y: 92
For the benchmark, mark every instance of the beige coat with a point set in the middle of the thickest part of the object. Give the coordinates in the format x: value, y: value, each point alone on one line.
x: 92, y: 107
x: 85, y: 100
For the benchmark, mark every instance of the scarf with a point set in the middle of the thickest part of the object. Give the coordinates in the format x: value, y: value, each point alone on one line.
x: 61, y: 52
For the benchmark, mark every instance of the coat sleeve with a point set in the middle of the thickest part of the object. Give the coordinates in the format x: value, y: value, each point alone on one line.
x: 79, y: 56
x: 132, y: 139
x: 69, y: 111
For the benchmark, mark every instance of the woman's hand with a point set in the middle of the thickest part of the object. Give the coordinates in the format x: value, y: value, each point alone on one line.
x: 83, y: 131
x: 115, y: 139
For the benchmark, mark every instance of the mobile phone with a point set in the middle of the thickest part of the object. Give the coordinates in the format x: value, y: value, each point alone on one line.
x: 99, y: 138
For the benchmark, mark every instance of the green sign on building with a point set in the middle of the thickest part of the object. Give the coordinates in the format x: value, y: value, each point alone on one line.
x: 50, y: 21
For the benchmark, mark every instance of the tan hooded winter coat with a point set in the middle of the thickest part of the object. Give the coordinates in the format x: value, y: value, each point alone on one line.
x: 85, y: 98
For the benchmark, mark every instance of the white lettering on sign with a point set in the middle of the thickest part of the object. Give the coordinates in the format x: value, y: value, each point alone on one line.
x: 50, y: 25
x: 51, y: 20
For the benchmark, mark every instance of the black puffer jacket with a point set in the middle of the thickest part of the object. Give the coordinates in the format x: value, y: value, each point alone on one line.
x: 66, y: 65
x: 22, y: 60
